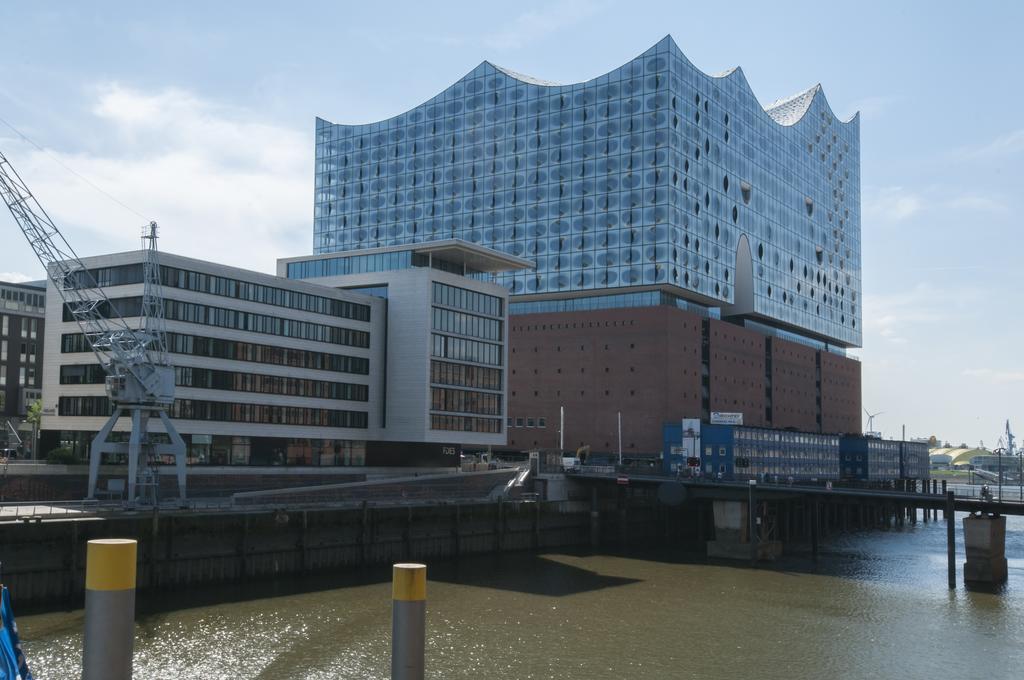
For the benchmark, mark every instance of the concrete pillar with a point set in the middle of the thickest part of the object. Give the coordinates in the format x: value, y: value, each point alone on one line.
x: 109, y: 609
x: 985, y: 540
x: 733, y: 538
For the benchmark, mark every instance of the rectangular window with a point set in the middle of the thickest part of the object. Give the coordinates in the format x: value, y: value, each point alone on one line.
x: 542, y: 422
x: 460, y: 349
x: 446, y: 373
x: 172, y: 277
x: 530, y: 422
x: 176, y: 310
x: 519, y: 422
x: 465, y: 424
x: 466, y: 324
x: 464, y: 401
x: 194, y: 409
x: 5, y: 329
x: 471, y: 301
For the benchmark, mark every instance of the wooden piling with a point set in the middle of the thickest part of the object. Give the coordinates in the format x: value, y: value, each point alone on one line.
x: 752, y: 522
x: 154, y: 535
x: 814, y: 529
x: 457, y: 531
x: 408, y: 533
x: 701, y: 523
x: 536, y: 526
x: 951, y: 540
x: 303, y: 550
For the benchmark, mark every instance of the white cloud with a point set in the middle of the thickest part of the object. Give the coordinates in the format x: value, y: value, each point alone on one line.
x: 223, y: 185
x: 16, y: 277
x: 977, y: 203
x: 997, y: 377
x: 892, y: 317
x: 872, y: 108
x: 535, y: 24
x: 891, y: 204
x: 1005, y: 145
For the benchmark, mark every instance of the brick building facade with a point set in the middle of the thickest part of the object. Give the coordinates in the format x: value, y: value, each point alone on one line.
x: 660, y: 364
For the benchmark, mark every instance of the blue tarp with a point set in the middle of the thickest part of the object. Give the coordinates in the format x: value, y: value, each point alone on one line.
x: 12, y: 662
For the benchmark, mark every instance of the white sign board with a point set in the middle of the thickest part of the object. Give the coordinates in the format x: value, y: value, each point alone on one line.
x: 723, y: 418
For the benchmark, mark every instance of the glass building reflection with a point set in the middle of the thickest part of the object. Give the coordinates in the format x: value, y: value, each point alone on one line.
x: 655, y: 176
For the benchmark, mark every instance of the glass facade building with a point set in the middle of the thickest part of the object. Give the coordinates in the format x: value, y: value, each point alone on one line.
x: 655, y: 174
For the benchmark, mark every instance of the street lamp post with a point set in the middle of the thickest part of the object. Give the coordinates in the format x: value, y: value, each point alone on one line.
x: 1000, y: 459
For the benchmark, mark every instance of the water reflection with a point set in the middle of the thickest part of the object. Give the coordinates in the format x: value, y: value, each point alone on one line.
x: 875, y: 605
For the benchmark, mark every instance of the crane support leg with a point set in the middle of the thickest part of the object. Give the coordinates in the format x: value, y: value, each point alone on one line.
x: 178, y: 449
x: 96, y: 451
x: 134, y: 448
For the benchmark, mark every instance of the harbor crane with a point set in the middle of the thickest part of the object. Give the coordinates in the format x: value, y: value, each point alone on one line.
x: 139, y: 376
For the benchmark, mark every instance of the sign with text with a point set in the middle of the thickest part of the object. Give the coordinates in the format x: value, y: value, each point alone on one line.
x: 724, y: 418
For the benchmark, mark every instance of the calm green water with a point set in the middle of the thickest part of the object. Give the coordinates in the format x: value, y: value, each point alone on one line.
x: 876, y: 606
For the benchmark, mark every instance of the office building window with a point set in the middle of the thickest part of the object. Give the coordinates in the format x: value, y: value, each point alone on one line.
x: 195, y: 409
x: 173, y: 277
x: 189, y: 312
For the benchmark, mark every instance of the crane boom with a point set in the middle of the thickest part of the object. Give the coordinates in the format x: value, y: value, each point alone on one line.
x: 140, y: 378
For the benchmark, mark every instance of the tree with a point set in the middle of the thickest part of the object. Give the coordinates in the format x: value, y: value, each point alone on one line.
x: 35, y: 417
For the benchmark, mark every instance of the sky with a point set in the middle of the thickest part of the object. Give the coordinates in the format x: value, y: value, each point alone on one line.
x: 201, y: 116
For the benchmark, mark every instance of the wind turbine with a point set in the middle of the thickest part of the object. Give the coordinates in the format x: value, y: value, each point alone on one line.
x: 871, y: 419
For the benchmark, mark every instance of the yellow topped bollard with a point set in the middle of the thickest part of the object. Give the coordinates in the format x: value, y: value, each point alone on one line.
x: 408, y: 621
x: 109, y: 609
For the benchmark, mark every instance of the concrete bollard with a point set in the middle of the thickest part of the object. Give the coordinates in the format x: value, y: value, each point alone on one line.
x: 985, y: 542
x: 408, y: 621
x: 109, y: 609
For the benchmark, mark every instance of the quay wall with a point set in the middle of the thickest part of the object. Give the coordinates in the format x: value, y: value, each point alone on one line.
x: 44, y: 561
x: 21, y: 482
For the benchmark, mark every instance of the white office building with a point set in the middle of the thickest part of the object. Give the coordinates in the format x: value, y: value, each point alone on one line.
x: 276, y: 371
